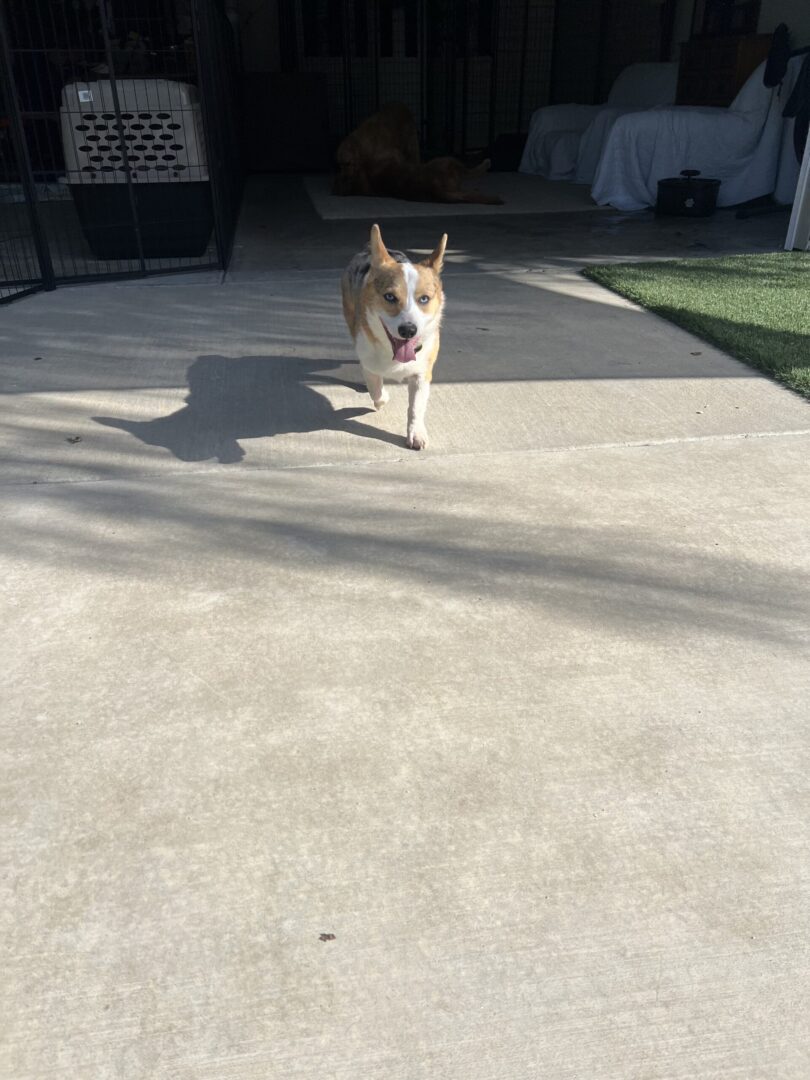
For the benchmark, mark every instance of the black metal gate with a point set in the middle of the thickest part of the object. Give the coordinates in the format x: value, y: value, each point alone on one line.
x: 119, y: 140
x: 469, y: 70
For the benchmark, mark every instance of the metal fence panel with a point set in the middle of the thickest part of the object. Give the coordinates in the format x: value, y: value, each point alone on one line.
x: 469, y: 70
x: 117, y: 105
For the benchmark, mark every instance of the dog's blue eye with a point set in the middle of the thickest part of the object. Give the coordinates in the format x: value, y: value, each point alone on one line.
x: 423, y: 299
x: 389, y: 296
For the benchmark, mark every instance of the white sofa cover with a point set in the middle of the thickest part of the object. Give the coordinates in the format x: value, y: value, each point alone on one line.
x: 555, y: 131
x: 744, y: 146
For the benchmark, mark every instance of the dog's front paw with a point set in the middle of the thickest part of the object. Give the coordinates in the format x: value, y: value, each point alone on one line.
x: 383, y: 399
x: 417, y: 439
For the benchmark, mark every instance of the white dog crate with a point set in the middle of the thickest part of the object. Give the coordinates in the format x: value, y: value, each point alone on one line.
x: 152, y: 158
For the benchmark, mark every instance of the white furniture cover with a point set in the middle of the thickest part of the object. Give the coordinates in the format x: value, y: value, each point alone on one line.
x: 744, y: 146
x: 553, y: 145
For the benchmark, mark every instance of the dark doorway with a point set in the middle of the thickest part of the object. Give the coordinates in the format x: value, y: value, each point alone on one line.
x: 469, y: 70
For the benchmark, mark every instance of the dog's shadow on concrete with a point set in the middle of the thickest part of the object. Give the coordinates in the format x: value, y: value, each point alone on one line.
x: 250, y: 397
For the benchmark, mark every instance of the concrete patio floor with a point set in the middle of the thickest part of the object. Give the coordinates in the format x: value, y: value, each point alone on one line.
x: 325, y: 759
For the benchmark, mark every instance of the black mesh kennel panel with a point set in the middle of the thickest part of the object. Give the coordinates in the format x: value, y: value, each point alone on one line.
x: 469, y: 70
x: 220, y: 83
x: 120, y: 163
x: 24, y: 259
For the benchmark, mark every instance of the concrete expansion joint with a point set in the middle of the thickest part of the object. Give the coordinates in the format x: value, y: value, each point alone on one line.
x: 645, y: 444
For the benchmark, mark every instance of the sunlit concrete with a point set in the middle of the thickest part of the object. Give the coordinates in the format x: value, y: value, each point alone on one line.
x: 327, y: 759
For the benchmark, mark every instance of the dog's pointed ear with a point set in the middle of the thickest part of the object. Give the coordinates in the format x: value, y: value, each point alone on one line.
x: 436, y: 258
x: 379, y: 252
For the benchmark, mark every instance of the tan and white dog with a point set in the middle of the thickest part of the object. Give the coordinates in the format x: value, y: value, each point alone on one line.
x: 393, y: 309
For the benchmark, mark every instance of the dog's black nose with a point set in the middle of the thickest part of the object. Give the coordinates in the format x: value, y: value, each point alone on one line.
x: 407, y: 330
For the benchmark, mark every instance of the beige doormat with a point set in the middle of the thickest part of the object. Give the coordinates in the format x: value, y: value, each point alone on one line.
x: 521, y: 194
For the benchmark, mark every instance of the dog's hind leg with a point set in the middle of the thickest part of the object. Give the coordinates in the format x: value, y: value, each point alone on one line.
x: 480, y: 169
x: 476, y: 196
x: 376, y: 387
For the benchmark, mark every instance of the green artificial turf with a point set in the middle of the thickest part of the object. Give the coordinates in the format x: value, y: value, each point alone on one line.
x: 755, y: 307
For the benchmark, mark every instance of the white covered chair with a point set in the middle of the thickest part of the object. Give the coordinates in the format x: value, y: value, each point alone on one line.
x: 553, y: 145
x: 744, y: 146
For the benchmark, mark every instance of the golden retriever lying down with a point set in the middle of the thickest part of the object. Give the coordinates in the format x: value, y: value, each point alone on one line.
x: 381, y: 157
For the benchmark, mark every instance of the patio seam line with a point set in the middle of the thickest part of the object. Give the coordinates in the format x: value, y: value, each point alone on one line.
x: 411, y: 456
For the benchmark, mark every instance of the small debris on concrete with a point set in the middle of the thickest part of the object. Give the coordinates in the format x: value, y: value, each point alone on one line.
x: 327, y: 937
x: 73, y: 438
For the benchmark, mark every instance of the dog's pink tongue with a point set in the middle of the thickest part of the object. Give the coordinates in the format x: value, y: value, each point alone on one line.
x: 404, y: 350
